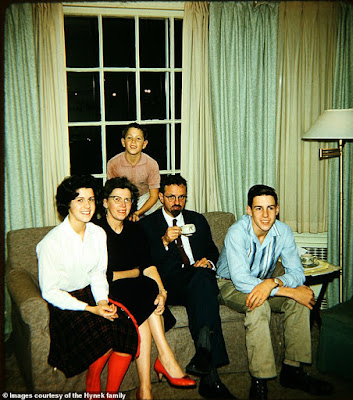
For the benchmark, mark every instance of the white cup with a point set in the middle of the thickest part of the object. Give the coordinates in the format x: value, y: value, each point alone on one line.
x: 307, y: 259
x: 188, y: 229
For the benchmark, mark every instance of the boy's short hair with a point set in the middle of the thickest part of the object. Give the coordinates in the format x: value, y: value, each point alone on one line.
x: 68, y: 191
x: 171, y: 179
x: 121, y: 183
x: 261, y: 190
x: 137, y: 126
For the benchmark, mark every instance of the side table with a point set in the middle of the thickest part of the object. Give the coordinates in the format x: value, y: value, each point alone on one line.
x: 321, y: 274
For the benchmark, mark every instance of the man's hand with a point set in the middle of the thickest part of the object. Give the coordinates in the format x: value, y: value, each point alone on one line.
x: 203, y: 263
x: 259, y: 294
x: 304, y: 295
x: 171, y: 234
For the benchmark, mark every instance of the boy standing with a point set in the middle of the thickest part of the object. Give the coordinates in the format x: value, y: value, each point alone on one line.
x: 138, y: 167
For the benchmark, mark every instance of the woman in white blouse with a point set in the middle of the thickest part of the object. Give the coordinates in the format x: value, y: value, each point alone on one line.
x: 86, y: 330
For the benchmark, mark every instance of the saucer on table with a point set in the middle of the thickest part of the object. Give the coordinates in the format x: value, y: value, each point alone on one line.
x: 314, y: 264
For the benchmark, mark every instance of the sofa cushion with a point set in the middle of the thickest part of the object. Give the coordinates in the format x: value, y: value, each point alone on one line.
x: 21, y: 248
x: 219, y: 222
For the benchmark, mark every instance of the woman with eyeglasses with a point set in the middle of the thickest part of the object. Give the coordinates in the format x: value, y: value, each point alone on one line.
x: 136, y: 283
x: 86, y: 329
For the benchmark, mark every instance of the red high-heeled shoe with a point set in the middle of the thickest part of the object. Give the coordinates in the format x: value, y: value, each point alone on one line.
x: 184, y: 382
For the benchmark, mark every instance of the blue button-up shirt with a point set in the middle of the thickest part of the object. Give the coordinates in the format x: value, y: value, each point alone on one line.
x: 247, y: 262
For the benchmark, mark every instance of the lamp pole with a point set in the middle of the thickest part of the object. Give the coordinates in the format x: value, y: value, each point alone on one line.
x: 341, y: 249
x: 330, y: 153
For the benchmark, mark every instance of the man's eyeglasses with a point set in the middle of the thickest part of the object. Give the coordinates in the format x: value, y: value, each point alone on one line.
x: 119, y: 200
x: 172, y: 197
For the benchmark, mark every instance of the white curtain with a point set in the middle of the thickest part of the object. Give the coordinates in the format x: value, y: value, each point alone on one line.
x: 307, y: 36
x: 198, y: 153
x: 49, y: 24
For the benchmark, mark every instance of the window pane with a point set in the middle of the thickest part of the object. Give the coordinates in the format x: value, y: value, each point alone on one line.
x: 178, y: 42
x: 120, y: 96
x: 119, y: 42
x: 153, y: 95
x: 81, y: 41
x: 177, y: 145
x: 157, y: 144
x: 113, y: 141
x: 85, y: 150
x: 178, y: 78
x: 83, y: 96
x: 152, y: 43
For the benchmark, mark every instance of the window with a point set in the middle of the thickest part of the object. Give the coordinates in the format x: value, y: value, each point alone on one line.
x: 123, y: 66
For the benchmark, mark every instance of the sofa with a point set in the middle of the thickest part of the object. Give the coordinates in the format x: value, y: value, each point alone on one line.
x: 30, y: 320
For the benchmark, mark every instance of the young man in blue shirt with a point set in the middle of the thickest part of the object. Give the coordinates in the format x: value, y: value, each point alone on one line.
x: 249, y: 284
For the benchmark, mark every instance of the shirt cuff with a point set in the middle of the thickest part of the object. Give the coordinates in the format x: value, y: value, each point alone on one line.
x: 212, y: 265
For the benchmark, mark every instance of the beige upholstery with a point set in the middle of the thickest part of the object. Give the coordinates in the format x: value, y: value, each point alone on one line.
x: 30, y: 317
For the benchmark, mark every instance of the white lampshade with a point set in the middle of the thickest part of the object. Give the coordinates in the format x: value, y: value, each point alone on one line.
x: 332, y: 125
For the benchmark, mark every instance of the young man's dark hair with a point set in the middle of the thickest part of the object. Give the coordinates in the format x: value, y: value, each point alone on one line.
x: 67, y: 191
x: 261, y: 190
x: 170, y: 179
x: 121, y: 183
x: 136, y: 126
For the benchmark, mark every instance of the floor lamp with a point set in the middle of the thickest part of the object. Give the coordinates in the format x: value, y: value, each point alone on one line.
x: 334, y: 125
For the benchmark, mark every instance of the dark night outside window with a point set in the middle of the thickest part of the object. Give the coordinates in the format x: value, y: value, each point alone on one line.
x: 110, y: 90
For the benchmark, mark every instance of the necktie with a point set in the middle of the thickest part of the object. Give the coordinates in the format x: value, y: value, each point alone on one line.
x: 179, y: 243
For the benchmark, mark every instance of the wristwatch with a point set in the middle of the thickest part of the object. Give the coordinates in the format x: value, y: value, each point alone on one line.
x: 276, y: 281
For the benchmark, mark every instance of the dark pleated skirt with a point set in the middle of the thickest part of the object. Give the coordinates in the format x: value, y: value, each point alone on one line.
x: 138, y: 295
x: 78, y: 338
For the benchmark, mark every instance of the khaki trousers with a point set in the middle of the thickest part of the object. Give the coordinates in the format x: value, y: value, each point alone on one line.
x: 297, y: 338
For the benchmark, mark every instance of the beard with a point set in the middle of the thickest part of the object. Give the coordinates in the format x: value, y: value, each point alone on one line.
x: 175, y: 211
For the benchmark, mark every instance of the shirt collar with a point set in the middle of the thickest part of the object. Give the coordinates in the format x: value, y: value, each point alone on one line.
x: 70, y: 230
x: 169, y: 219
x: 142, y: 160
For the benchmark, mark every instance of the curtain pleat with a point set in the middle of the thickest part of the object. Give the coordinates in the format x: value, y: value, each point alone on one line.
x: 198, y: 155
x: 243, y: 55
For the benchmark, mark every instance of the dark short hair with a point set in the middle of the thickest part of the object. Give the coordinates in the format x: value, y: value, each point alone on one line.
x: 68, y: 191
x: 261, y: 190
x: 121, y: 183
x: 137, y: 126
x: 171, y: 179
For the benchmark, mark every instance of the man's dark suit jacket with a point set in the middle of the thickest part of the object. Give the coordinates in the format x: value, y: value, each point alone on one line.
x: 169, y: 261
x: 194, y: 288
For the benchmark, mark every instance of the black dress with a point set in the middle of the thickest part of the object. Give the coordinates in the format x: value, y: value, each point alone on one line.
x: 129, y: 250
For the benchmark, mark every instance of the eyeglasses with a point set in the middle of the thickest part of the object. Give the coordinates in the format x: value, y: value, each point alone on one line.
x: 172, y: 197
x: 119, y: 200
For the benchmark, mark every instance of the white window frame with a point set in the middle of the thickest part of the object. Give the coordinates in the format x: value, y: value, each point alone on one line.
x: 172, y: 10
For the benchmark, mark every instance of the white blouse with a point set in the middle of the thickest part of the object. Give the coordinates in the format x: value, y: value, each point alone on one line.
x: 67, y: 263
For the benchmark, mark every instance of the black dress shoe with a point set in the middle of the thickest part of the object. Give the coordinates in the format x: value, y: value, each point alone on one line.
x: 214, y: 390
x: 200, y: 364
x: 258, y: 389
x: 296, y: 378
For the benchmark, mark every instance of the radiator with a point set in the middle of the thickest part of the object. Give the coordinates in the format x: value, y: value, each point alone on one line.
x: 316, y: 244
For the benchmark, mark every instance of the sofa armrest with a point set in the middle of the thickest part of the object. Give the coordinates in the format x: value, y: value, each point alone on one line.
x: 26, y: 295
